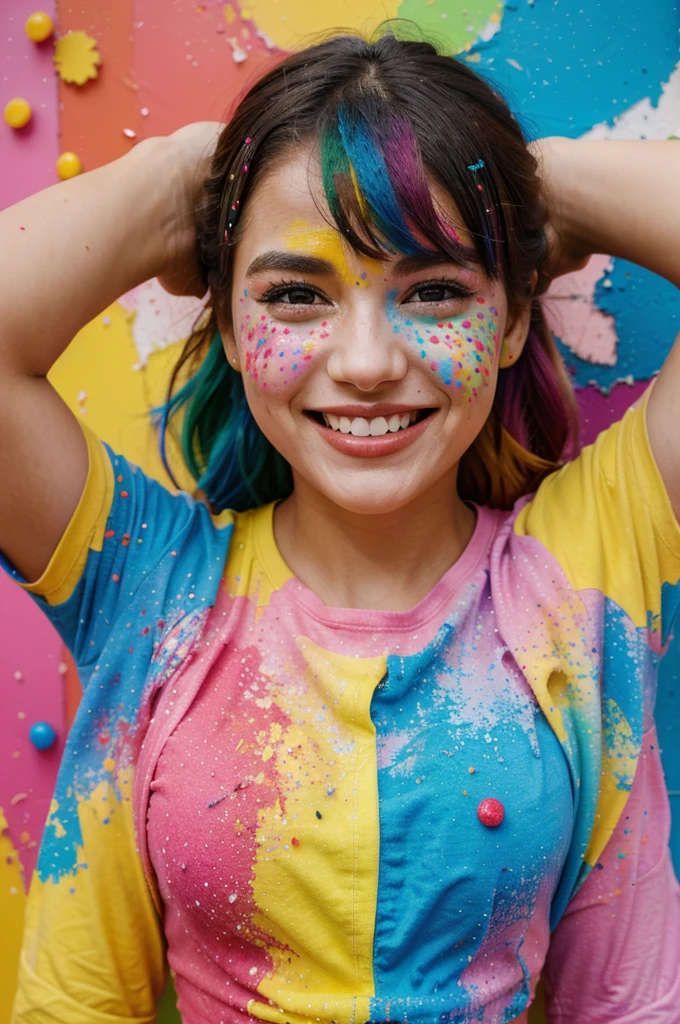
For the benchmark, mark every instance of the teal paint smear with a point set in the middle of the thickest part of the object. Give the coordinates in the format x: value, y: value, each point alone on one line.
x: 579, y: 63
x: 427, y: 830
x: 646, y: 311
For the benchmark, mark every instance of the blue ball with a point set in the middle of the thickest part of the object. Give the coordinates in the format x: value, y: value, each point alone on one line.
x: 42, y: 735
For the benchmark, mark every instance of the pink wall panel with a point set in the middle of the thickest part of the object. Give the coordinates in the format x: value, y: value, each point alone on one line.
x: 32, y: 690
x: 93, y: 117
x: 27, y: 156
x: 28, y: 644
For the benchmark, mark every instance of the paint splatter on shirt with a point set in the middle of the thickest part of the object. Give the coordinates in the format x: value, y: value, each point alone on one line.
x: 290, y: 793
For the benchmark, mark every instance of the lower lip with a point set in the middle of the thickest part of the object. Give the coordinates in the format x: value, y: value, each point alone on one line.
x: 372, y: 447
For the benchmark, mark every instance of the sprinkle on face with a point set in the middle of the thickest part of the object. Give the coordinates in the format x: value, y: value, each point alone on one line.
x: 275, y: 354
x: 460, y: 350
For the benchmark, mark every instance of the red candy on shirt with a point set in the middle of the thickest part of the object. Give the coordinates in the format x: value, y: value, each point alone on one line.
x: 491, y: 812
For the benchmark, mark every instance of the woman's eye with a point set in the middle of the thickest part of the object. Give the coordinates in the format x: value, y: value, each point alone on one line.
x: 297, y: 297
x: 292, y: 295
x: 438, y: 293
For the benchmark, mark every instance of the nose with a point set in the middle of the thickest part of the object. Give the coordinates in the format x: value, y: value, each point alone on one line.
x: 367, y: 353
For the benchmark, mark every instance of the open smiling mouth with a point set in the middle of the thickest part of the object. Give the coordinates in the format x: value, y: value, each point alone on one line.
x: 376, y: 426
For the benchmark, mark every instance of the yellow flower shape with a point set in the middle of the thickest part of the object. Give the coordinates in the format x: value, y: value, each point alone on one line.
x: 76, y: 57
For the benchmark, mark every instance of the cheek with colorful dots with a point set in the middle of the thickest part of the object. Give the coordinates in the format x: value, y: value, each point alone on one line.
x: 274, y: 354
x: 461, y: 350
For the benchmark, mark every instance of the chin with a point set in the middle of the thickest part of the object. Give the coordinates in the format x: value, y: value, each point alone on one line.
x: 370, y: 494
x: 366, y: 505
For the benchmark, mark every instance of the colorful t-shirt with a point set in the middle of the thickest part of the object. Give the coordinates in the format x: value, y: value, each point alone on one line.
x: 292, y: 796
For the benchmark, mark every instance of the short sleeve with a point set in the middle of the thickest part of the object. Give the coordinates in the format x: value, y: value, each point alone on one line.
x: 607, y: 519
x: 596, y: 559
x: 615, y: 955
x: 124, y: 527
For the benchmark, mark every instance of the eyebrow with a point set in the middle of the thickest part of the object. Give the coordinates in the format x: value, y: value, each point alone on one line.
x: 289, y: 261
x: 298, y: 263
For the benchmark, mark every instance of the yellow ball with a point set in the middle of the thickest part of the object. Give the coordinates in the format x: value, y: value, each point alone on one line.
x: 68, y: 165
x: 18, y: 113
x: 39, y: 26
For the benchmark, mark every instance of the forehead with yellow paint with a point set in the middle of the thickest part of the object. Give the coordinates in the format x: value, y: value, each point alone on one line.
x: 326, y: 244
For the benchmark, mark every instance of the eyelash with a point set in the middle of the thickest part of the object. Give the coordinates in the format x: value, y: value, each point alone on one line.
x: 276, y: 292
x: 460, y: 291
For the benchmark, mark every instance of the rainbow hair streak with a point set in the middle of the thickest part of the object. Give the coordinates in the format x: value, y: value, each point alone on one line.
x: 377, y: 190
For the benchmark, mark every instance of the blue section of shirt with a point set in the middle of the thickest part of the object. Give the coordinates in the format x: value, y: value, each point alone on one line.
x: 156, y: 576
x: 458, y: 720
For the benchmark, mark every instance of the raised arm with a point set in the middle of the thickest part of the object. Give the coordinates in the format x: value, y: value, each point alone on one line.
x: 621, y: 198
x: 65, y: 254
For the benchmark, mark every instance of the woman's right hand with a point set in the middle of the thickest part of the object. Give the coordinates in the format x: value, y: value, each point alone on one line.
x: 194, y: 145
x: 66, y: 253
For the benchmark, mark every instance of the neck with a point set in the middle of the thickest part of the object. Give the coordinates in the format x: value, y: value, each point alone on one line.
x: 384, y: 561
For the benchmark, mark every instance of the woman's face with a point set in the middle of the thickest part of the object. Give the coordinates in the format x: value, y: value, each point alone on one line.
x: 370, y: 378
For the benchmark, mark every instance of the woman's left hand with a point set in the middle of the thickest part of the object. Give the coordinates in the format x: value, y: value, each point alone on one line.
x: 566, y: 251
x: 618, y: 197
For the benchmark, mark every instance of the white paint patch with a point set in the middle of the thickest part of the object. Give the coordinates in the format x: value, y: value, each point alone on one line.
x: 269, y: 43
x: 160, y: 319
x: 492, y: 26
x: 642, y: 120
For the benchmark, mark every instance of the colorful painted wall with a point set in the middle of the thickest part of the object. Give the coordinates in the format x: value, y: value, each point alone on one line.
x: 601, y: 69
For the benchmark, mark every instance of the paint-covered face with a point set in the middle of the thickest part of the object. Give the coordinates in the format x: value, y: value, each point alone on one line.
x: 461, y: 350
x: 371, y: 378
x: 276, y: 349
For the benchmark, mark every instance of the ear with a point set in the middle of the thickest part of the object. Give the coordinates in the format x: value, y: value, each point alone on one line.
x: 230, y: 347
x: 516, y: 332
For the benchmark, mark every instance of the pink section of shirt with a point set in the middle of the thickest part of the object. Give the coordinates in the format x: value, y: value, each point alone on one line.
x: 606, y: 964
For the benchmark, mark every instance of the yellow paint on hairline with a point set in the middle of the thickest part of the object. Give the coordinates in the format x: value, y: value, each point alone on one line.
x: 327, y: 244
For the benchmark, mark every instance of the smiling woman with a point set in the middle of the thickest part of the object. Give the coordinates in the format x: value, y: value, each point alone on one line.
x: 374, y: 159
x: 367, y: 737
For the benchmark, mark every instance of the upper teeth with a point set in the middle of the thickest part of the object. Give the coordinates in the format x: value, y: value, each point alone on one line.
x: 375, y: 427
